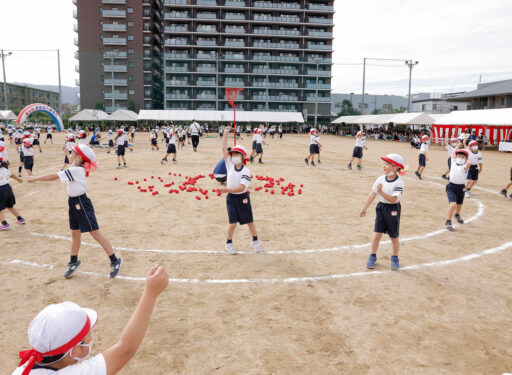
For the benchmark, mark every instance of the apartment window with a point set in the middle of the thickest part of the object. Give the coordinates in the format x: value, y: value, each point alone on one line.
x: 147, y: 105
x: 130, y: 24
x: 434, y: 107
x: 147, y: 93
x: 130, y: 10
x: 101, y: 36
x: 131, y: 92
x: 130, y: 37
x: 130, y: 51
x: 423, y: 107
x: 102, y: 91
x: 502, y: 101
x: 130, y: 64
x: 130, y: 78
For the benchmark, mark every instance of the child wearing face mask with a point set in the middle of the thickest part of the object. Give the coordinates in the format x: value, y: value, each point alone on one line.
x: 61, y: 339
x: 389, y: 187
x: 476, y: 167
x: 238, y: 201
x: 358, y: 149
x: 456, y: 187
x: 450, y: 147
x: 82, y: 218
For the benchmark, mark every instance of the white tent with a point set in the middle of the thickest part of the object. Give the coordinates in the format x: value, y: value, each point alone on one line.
x: 347, y: 119
x: 381, y: 119
x: 219, y: 116
x: 7, y: 115
x: 412, y: 118
x: 123, y: 115
x: 485, y: 117
x: 89, y: 115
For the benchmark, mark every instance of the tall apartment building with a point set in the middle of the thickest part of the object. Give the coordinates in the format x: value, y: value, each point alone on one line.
x: 182, y: 54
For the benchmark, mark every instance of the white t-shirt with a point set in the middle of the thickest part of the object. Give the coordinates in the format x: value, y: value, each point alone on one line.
x: 259, y: 137
x: 458, y: 173
x: 474, y: 159
x: 110, y: 135
x: 360, y: 142
x: 4, y: 176
x: 94, y: 366
x: 394, y: 188
x: 237, y: 177
x: 195, y: 128
x: 183, y: 133
x: 27, y: 151
x: 50, y: 130
x: 424, y: 148
x: 315, y: 139
x: 76, y: 179
x: 152, y: 135
x: 3, y: 155
x: 172, y: 137
x: 17, y: 133
x: 121, y: 139
x: 70, y: 145
x: 450, y: 149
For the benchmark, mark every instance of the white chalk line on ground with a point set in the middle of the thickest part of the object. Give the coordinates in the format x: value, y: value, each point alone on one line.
x: 440, y: 263
x: 476, y: 216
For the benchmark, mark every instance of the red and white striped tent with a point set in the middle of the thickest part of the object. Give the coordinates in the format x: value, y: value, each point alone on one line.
x: 494, y: 124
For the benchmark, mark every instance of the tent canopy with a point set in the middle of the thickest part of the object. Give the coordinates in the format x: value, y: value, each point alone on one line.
x: 347, y: 119
x: 7, y: 115
x: 123, y: 115
x: 89, y: 115
x: 413, y: 118
x: 484, y: 117
x: 219, y: 116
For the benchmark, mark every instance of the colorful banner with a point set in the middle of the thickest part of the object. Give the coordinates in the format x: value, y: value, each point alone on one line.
x: 494, y: 134
x: 38, y: 107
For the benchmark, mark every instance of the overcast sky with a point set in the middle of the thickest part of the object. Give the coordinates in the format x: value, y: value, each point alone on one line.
x: 455, y: 41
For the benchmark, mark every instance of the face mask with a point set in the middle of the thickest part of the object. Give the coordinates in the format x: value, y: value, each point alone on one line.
x: 80, y: 359
x: 237, y: 160
x: 474, y: 148
x: 390, y: 174
x: 460, y: 161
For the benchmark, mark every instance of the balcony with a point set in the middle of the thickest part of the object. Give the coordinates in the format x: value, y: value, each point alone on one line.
x: 324, y: 73
x: 234, y: 30
x: 77, y: 82
x: 276, y: 32
x: 313, y: 98
x: 114, y: 41
x: 234, y: 83
x: 260, y: 97
x: 176, y: 2
x: 234, y: 57
x: 207, y: 2
x: 206, y: 29
x: 231, y: 16
x: 276, y: 19
x: 327, y: 8
x: 115, y: 55
x: 206, y: 96
x: 114, y: 13
x: 113, y: 109
x: 320, y: 33
x: 209, y: 56
x: 114, y: 27
x: 174, y: 29
x: 320, y: 20
x: 176, y: 69
x: 206, y: 83
x: 206, y: 69
x: 77, y: 55
x: 206, y: 43
x: 113, y: 1
x: 176, y: 56
x: 234, y: 70
x: 267, y: 4
x: 77, y: 68
x: 116, y: 95
x: 276, y: 45
x: 115, y: 82
x: 176, y: 82
x: 276, y: 58
x: 326, y: 47
x: 176, y: 15
x: 319, y: 86
x: 176, y: 96
x: 320, y: 60
x: 76, y: 42
x: 234, y: 44
x: 206, y: 108
x: 286, y: 85
x: 232, y: 3
x: 283, y: 98
x: 276, y: 71
x: 176, y: 42
x: 207, y: 16
x: 115, y: 68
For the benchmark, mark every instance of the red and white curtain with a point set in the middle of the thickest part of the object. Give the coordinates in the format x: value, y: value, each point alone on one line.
x: 495, y: 134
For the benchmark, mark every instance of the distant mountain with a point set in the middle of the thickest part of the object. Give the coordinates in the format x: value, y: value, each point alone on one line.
x: 68, y: 92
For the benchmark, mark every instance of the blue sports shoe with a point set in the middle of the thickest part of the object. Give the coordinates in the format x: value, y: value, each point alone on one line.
x: 395, y: 263
x: 372, y: 259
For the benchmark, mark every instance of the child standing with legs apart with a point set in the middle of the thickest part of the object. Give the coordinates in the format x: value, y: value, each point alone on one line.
x: 358, y: 150
x: 237, y: 200
x: 450, y: 147
x: 7, y: 199
x: 423, y: 156
x: 121, y: 148
x: 314, y: 147
x: 389, y: 187
x: 81, y: 211
x: 455, y: 189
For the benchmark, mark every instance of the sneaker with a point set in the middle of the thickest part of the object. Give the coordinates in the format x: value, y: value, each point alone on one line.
x: 359, y: 168
x: 119, y: 167
x: 313, y: 164
x: 195, y: 150
x: 444, y: 177
x: 419, y: 176
x: 20, y: 221
x: 175, y: 161
x: 125, y: 166
x: 307, y: 162
x: 131, y: 150
x: 468, y: 194
x: 372, y: 259
x: 251, y: 159
x: 459, y: 219
x: 350, y: 166
x: 449, y: 225
x: 115, y: 268
x: 256, y: 246
x: 19, y: 174
x: 4, y: 227
x: 510, y: 196
x: 230, y: 248
x: 503, y: 192
x: 319, y: 162
x: 72, y: 268
x: 395, y: 263
x: 162, y: 161
x: 260, y: 162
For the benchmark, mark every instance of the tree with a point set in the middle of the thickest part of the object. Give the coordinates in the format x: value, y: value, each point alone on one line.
x: 347, y: 109
x: 99, y: 106
x: 131, y: 105
x: 376, y: 111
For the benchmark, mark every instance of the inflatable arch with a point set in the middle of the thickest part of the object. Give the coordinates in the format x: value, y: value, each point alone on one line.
x: 38, y: 107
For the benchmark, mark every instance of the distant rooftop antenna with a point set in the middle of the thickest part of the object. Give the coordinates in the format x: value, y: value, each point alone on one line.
x: 480, y: 80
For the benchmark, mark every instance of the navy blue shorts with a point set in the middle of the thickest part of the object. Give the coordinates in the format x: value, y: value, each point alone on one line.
x: 254, y: 145
x: 450, y: 164
x: 17, y: 141
x: 36, y: 142
x: 239, y: 208
x: 422, y: 160
x: 153, y: 142
x: 110, y: 143
x: 387, y: 219
x: 473, y: 173
x: 81, y: 214
x: 7, y: 199
x: 49, y: 136
x: 120, y: 150
x: 357, y: 153
x: 455, y: 193
x: 22, y: 157
x: 171, y: 148
x: 28, y: 162
x: 259, y: 148
x: 66, y: 160
x: 314, y: 148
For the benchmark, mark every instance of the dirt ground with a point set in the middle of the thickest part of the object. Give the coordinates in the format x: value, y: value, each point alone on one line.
x: 249, y: 314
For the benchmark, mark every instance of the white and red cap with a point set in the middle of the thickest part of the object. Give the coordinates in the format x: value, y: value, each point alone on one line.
x: 70, y: 137
x: 425, y: 138
x: 472, y: 143
x: 56, y: 330
x: 313, y: 131
x: 461, y: 137
x: 240, y: 149
x: 120, y: 131
x: 465, y: 152
x: 359, y: 134
x: 2, y: 146
x: 454, y: 140
x: 394, y: 159
x: 89, y: 157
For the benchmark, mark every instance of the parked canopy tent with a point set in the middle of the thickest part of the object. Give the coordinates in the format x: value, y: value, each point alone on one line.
x: 123, y: 115
x: 494, y: 124
x: 412, y: 118
x: 86, y: 115
x: 7, y: 115
x: 220, y: 116
x: 347, y: 120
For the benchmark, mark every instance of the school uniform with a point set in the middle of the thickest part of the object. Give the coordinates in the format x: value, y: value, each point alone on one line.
x: 358, y: 149
x: 254, y: 137
x: 238, y: 204
x: 7, y: 199
x: 120, y: 144
x: 422, y: 158
x: 93, y: 366
x: 36, y: 136
x: 17, y: 137
x: 387, y: 218
x: 455, y: 188
x: 69, y: 145
x: 81, y: 210
x: 153, y: 137
x: 220, y: 172
x: 474, y: 160
x: 259, y: 141
x: 314, y: 148
x: 195, y: 132
x: 110, y: 140
x: 49, y: 135
x: 28, y: 153
x: 171, y: 147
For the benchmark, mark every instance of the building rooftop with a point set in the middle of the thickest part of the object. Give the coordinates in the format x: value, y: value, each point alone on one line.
x: 499, y: 88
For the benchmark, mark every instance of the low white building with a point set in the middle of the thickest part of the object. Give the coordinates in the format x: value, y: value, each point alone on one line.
x: 437, y: 103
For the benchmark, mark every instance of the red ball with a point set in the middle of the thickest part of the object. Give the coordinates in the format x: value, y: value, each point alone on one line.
x: 115, y: 178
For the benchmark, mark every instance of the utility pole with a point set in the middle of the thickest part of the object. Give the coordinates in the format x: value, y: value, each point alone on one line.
x: 411, y: 65
x: 4, y: 56
x: 60, y: 86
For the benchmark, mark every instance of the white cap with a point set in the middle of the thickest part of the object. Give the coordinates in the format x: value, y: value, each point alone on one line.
x: 85, y: 153
x: 56, y: 325
x: 394, y: 159
x: 240, y: 149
